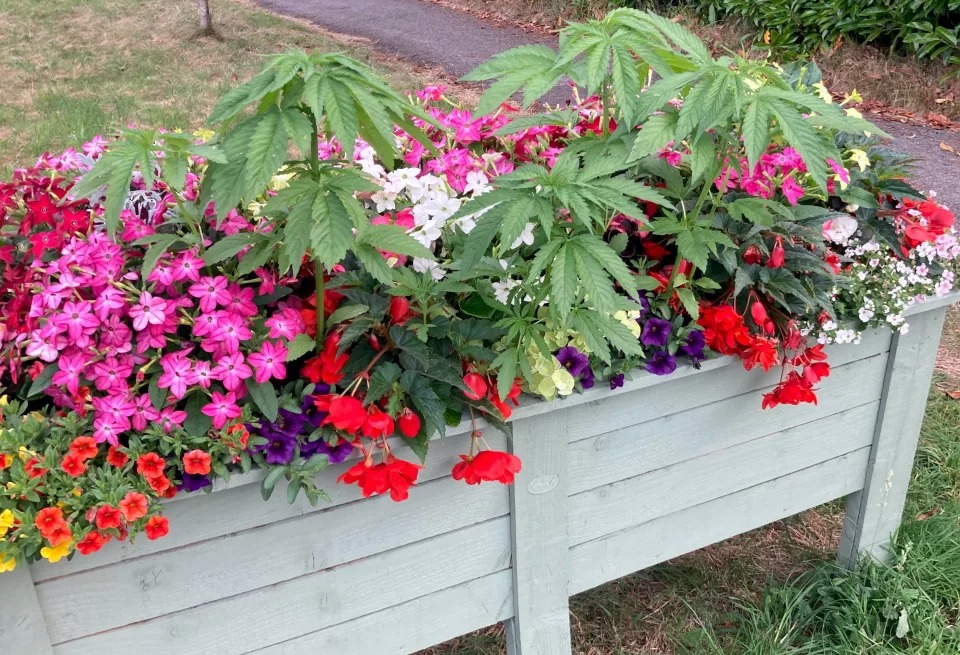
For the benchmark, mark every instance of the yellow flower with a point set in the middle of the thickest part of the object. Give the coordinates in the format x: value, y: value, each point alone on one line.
x: 3, y: 400
x: 77, y: 492
x: 563, y: 381
x: 205, y: 135
x: 853, y: 96
x: 7, y: 565
x: 6, y: 521
x: 54, y: 555
x: 278, y: 182
x: 823, y: 92
x: 38, y: 417
x: 859, y: 157
x: 629, y: 320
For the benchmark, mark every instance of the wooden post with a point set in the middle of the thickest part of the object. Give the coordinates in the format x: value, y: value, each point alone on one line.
x: 873, y: 514
x: 538, y: 499
x: 22, y: 627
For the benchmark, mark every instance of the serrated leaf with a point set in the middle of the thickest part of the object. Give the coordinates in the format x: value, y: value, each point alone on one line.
x: 346, y: 312
x: 300, y: 346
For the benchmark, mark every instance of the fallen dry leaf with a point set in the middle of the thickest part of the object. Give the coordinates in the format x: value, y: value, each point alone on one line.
x: 953, y: 394
x: 923, y: 516
x: 948, y: 148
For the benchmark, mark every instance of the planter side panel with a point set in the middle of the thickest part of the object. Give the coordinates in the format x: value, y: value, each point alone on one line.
x: 662, y: 487
x: 316, y: 575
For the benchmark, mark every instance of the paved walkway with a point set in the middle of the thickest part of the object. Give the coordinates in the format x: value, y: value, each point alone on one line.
x: 428, y: 34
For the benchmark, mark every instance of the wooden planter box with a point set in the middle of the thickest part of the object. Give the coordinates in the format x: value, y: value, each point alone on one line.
x: 612, y: 482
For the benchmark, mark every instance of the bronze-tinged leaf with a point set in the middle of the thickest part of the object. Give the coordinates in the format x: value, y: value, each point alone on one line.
x: 929, y: 514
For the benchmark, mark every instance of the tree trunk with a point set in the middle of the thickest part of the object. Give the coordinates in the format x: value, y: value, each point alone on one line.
x: 206, y: 19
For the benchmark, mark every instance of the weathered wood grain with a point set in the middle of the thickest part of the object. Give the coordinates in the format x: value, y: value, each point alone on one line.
x: 617, y: 506
x: 281, y: 612
x: 169, y: 581
x: 210, y: 516
x: 622, y: 553
x: 541, y: 625
x: 23, y: 630
x: 875, y: 513
x: 414, y: 625
x: 673, y: 438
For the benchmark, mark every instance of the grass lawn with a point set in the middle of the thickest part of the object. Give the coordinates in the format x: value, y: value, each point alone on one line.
x: 75, y: 68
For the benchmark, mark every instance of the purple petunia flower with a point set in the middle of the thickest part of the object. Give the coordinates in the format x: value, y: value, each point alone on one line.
x: 587, y: 379
x: 656, y: 332
x: 336, y: 454
x: 573, y: 360
x: 616, y: 381
x: 192, y: 482
x: 693, y: 345
x: 662, y: 363
x: 280, y: 448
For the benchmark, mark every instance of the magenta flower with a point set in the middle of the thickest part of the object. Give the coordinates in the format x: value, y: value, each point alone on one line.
x: 115, y: 334
x: 111, y: 374
x: 206, y: 324
x: 109, y: 303
x: 231, y: 330
x: 177, y: 374
x: 204, y: 375
x: 118, y: 408
x: 148, y: 311
x: 286, y: 324
x: 69, y: 374
x: 187, y: 266
x: 269, y: 362
x: 231, y: 370
x: 221, y: 408
x: 211, y: 292
x: 46, y: 343
x: 241, y: 300
x: 105, y: 430
x: 791, y: 190
x: 144, y: 412
x: 77, y: 319
x: 171, y: 417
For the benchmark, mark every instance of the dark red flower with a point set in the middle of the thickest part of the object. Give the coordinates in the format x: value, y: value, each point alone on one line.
x: 487, y: 466
x: 759, y: 315
x: 33, y: 468
x: 399, y: 310
x: 327, y: 367
x: 723, y: 328
x: 792, y: 391
x: 44, y: 241
x: 752, y: 255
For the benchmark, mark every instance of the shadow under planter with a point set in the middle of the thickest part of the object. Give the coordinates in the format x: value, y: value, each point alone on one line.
x: 612, y: 482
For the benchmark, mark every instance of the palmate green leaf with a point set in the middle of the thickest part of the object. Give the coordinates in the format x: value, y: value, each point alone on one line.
x: 114, y: 169
x: 266, y: 151
x: 373, y: 262
x: 601, y: 251
x: 281, y: 70
x: 533, y: 66
x: 655, y: 133
x: 225, y: 184
x: 805, y: 139
x: 563, y: 281
x: 755, y: 128
x: 393, y: 238
x: 594, y: 280
x: 229, y: 246
x: 332, y: 232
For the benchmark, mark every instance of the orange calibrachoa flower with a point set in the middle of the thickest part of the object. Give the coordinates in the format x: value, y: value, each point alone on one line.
x: 133, y: 506
x: 197, y: 462
x: 116, y: 457
x: 91, y: 542
x: 157, y: 527
x: 150, y: 465
x: 73, y: 465
x: 108, y: 517
x: 84, y: 447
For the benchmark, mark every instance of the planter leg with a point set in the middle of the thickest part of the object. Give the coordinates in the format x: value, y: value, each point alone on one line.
x: 873, y: 514
x: 22, y: 627
x: 541, y: 622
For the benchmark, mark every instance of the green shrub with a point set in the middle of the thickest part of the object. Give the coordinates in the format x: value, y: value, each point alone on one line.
x: 930, y: 29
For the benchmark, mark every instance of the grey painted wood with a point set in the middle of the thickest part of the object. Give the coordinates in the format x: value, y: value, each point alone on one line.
x: 414, y: 625
x: 623, y: 553
x: 278, y: 613
x: 23, y: 630
x: 541, y: 625
x: 170, y: 581
x: 200, y: 517
x: 673, y: 438
x: 875, y: 513
x: 612, y: 411
x: 617, y: 506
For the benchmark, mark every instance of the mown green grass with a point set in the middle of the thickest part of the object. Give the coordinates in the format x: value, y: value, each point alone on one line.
x: 75, y: 68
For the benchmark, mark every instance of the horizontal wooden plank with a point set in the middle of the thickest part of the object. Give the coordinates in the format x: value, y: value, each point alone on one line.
x: 414, y: 625
x: 208, y: 516
x: 709, y: 383
x: 614, y: 556
x: 200, y: 573
x: 673, y: 438
x: 623, y: 504
x: 932, y: 304
x: 22, y: 626
x: 281, y: 612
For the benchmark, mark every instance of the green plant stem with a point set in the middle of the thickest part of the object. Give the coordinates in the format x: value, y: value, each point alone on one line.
x: 318, y: 276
